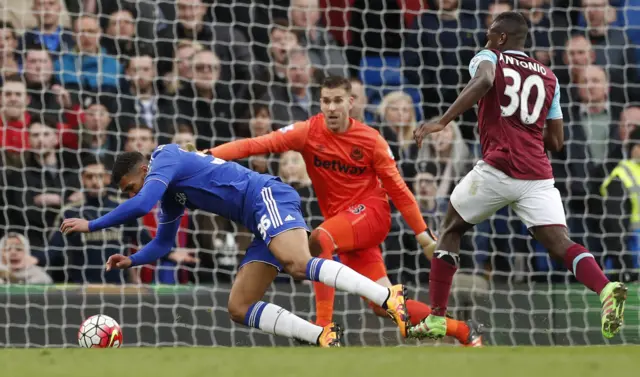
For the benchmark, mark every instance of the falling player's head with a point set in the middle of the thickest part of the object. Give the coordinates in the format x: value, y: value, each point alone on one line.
x: 508, y: 31
x: 336, y: 102
x: 129, y: 172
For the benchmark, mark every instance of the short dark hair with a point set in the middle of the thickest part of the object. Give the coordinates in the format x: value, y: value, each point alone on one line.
x: 280, y: 24
x: 13, y: 78
x: 334, y: 82
x: 124, y: 164
x: 514, y: 24
x: 143, y: 128
x: 184, y: 127
x: 89, y: 159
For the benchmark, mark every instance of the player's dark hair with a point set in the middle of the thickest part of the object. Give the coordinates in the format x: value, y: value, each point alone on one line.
x: 125, y: 163
x: 514, y: 24
x: 334, y: 82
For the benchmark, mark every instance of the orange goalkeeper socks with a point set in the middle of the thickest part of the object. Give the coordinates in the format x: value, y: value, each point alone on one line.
x: 324, y: 293
x: 324, y: 303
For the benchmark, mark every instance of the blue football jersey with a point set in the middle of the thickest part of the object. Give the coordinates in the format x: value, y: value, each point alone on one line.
x: 198, y: 181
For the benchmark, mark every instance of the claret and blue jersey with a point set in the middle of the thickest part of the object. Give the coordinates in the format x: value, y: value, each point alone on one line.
x: 179, y: 179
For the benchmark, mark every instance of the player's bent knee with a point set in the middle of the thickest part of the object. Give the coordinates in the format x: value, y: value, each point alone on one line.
x: 297, y: 269
x: 237, y: 310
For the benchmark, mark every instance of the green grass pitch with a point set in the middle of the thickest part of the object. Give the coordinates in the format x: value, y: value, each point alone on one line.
x: 310, y: 362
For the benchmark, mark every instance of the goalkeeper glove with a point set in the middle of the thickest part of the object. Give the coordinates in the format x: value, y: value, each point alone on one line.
x: 428, y: 242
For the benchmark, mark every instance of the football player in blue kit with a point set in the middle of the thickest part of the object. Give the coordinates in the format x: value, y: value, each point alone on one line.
x: 269, y: 208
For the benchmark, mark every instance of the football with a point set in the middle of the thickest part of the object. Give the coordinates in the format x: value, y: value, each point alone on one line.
x: 100, y: 331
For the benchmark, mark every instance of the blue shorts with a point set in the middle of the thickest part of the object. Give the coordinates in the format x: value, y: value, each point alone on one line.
x: 276, y: 210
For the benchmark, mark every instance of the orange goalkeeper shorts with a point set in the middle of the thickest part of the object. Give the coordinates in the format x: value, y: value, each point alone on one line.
x: 357, y: 234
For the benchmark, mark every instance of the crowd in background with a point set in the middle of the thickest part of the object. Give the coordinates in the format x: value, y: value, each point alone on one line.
x: 82, y: 80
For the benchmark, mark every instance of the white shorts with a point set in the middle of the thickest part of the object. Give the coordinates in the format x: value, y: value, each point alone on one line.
x: 486, y: 189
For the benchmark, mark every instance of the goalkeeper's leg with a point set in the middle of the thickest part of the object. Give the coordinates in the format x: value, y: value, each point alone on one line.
x: 292, y: 251
x: 245, y: 307
x: 363, y: 226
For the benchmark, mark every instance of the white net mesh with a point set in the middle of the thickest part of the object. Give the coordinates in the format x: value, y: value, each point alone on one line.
x: 85, y: 80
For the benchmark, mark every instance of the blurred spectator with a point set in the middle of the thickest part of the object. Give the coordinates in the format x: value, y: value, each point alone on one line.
x: 425, y: 189
x: 45, y: 96
x: 595, y: 112
x: 281, y: 40
x: 300, y: 99
x: 229, y: 44
x: 293, y: 171
x: 259, y: 125
x: 450, y: 155
x: 578, y: 54
x: 495, y: 8
x: 612, y: 50
x: 434, y: 49
x: 398, y: 117
x: 142, y: 104
x: 42, y: 188
x: 16, y: 263
x: 80, y: 258
x: 88, y: 67
x: 183, y: 137
x: 120, y: 38
x: 140, y: 139
x: 15, y: 119
x: 207, y: 103
x: 182, y: 71
x: 538, y: 15
x: 325, y: 54
x: 360, y: 101
x: 618, y: 139
x: 93, y: 134
x: 49, y: 33
x: 9, y: 58
x: 622, y: 225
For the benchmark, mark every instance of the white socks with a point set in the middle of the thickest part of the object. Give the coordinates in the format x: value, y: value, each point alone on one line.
x: 275, y: 320
x: 339, y: 276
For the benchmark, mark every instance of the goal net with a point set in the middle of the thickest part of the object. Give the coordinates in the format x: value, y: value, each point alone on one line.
x: 85, y: 80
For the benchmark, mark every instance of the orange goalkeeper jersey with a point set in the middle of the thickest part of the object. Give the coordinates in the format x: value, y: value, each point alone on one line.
x: 344, y: 168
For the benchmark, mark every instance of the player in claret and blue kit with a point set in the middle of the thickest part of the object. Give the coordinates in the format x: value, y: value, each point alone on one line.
x: 262, y: 203
x: 519, y: 116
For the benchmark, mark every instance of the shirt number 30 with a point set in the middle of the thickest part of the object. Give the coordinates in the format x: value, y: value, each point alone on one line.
x: 519, y: 93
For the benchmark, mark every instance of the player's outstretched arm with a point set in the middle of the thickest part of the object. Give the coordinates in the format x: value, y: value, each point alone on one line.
x: 154, y: 250
x: 130, y: 210
x: 479, y: 85
x: 290, y: 138
x: 401, y: 196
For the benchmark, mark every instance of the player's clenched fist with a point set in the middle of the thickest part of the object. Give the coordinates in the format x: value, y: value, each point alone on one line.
x: 74, y: 225
x: 118, y: 261
x: 424, y: 130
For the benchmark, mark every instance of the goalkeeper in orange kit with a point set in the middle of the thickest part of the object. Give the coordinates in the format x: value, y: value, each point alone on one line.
x: 347, y: 161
